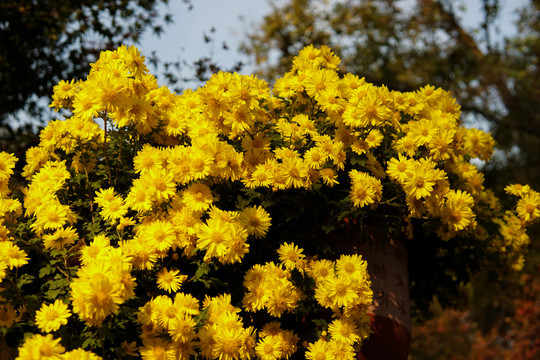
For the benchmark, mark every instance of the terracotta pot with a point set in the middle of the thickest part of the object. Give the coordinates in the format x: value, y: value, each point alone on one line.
x: 389, y: 272
x: 391, y: 309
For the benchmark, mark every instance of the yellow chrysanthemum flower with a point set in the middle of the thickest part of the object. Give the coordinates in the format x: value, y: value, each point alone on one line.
x: 185, y: 221
x: 157, y: 349
x: 255, y: 220
x: 228, y: 343
x: 318, y: 350
x: 269, y: 287
x: 239, y: 119
x: 353, y: 266
x: 147, y: 158
x: 51, y: 215
x: 283, y: 298
x: 143, y: 253
x: 80, y: 354
x: 85, y: 106
x: 314, y: 158
x: 3, y: 268
x: 249, y: 341
x: 52, y: 175
x: 528, y: 207
x: 104, y: 196
x: 160, y: 234
x: 41, y: 347
x: 182, y: 328
x: 237, y: 244
x: 98, y: 248
x: 320, y: 269
x: 341, y: 351
x: 517, y: 189
x: 397, y: 168
x: 268, y: 349
x: 96, y: 298
x: 331, y: 100
x: 169, y: 280
x: 139, y: 198
x: 287, y: 340
x: 329, y: 176
x: 7, y: 163
x: 291, y: 256
x: 406, y: 146
x: 197, y: 197
x: 421, y: 131
x: 372, y: 110
x: 214, y: 236
x: 440, y: 145
x: 294, y: 171
x: 10, y: 209
x: 374, y: 138
x: 159, y: 184
x: 420, y: 180
x: 8, y: 315
x: 101, y: 286
x: 457, y: 211
x: 344, y: 330
x: 478, y: 143
x: 227, y: 162
x: 200, y: 164
x: 262, y: 176
x: 51, y: 317
x: 319, y: 80
x: 365, y: 189
x: 112, y: 205
x: 12, y: 255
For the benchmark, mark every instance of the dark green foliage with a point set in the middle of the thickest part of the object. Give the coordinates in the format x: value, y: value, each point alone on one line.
x: 42, y: 42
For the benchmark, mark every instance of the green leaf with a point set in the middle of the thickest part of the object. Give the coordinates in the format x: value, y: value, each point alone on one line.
x: 358, y: 161
x: 202, y: 270
x: 241, y: 202
x: 93, y: 228
x: 328, y: 228
x: 201, y: 318
x: 320, y: 323
x: 24, y: 279
x: 46, y: 270
x: 88, y: 343
x: 59, y: 282
x: 52, y: 294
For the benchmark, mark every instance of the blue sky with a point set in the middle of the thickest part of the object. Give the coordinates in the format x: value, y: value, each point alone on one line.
x: 183, y: 40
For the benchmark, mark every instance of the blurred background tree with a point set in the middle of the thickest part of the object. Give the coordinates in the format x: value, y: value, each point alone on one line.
x: 42, y: 42
x: 452, y: 334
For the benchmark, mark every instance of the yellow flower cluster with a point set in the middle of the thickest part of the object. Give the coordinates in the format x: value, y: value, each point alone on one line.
x: 47, y: 347
x: 42, y: 202
x: 344, y: 287
x: 231, y: 108
x: 222, y: 336
x: 528, y: 206
x: 103, y: 282
x: 269, y: 287
x: 139, y: 185
x: 514, y: 223
x: 11, y: 255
